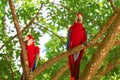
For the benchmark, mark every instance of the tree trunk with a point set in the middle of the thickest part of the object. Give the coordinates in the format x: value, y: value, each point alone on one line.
x: 24, y: 52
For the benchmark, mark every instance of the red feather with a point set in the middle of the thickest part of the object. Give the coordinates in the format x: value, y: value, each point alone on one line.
x: 32, y: 52
x: 77, y: 36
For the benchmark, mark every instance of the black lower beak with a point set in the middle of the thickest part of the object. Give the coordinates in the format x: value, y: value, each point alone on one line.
x: 78, y: 20
x: 25, y: 42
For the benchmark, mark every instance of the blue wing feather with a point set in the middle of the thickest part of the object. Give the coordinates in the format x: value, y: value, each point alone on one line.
x: 68, y: 40
x: 34, y: 65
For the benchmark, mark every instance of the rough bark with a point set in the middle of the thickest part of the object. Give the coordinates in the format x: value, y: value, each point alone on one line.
x: 24, y: 52
x: 102, y: 51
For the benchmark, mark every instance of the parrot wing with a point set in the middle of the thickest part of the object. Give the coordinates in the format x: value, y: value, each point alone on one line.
x: 37, y: 53
x: 68, y: 40
x: 77, y: 63
x: 70, y: 57
x: 37, y: 50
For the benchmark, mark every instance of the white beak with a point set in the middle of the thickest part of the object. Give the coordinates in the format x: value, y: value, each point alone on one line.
x: 26, y: 39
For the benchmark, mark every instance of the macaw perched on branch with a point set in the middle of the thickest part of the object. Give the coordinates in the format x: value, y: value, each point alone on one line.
x: 76, y: 36
x: 32, y: 52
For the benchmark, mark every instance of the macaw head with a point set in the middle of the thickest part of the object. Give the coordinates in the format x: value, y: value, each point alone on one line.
x: 29, y: 39
x: 30, y: 36
x: 78, y: 18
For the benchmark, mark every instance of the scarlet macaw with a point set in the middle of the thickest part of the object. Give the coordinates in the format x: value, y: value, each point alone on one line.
x: 76, y: 36
x: 32, y: 52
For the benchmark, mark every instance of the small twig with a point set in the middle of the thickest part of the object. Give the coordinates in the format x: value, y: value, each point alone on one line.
x: 68, y: 9
x: 51, y: 32
x: 112, y: 5
x: 61, y: 71
x: 110, y: 66
x: 105, y: 27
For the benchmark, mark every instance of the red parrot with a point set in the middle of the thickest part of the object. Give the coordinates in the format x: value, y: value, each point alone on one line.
x: 32, y: 52
x: 76, y: 36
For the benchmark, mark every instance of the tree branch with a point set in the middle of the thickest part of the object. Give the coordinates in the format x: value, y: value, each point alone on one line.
x: 24, y: 52
x: 51, y: 32
x: 61, y: 71
x: 68, y: 9
x: 112, y: 5
x: 102, y: 51
x: 27, y: 26
x: 109, y: 67
x: 105, y: 27
x: 65, y: 54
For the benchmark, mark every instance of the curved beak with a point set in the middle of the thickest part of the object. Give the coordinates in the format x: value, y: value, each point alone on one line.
x: 26, y: 40
x: 79, y: 18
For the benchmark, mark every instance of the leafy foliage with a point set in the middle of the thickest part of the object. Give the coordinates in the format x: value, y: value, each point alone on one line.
x: 53, y: 19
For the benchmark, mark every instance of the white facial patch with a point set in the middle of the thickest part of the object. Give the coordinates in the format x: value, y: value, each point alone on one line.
x: 30, y: 41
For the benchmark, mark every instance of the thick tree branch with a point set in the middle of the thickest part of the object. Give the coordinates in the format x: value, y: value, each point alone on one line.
x: 102, y: 51
x: 105, y: 27
x: 64, y: 68
x: 65, y: 54
x: 24, y: 52
x: 112, y: 5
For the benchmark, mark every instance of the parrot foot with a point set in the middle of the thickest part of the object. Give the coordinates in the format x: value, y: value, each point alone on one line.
x: 86, y: 44
x: 31, y: 76
x: 31, y: 73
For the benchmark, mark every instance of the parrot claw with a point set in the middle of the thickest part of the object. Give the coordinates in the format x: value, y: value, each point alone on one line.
x: 30, y: 72
x: 85, y: 43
